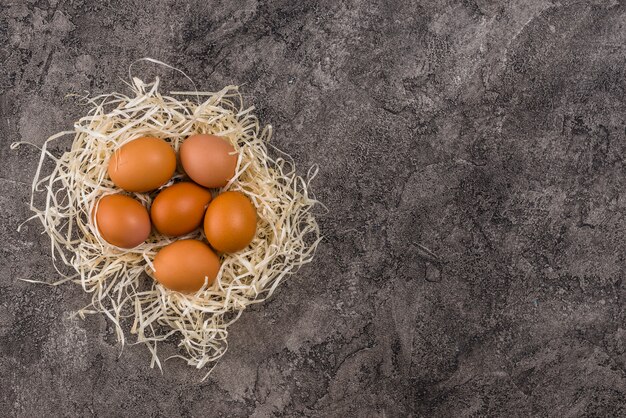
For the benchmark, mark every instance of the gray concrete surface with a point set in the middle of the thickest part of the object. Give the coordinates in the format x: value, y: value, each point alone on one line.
x: 492, y: 133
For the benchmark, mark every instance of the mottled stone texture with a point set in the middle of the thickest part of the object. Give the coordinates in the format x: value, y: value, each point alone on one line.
x: 491, y: 133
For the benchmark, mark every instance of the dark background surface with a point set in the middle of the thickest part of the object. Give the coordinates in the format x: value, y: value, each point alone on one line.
x: 492, y: 133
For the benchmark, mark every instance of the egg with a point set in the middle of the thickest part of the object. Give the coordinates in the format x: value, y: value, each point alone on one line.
x: 122, y: 221
x: 142, y: 165
x: 208, y: 160
x: 230, y: 222
x: 178, y: 209
x: 183, y: 265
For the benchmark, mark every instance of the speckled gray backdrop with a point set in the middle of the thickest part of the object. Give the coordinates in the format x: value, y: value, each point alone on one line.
x: 489, y: 133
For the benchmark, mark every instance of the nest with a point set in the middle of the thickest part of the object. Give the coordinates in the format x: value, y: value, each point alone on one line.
x: 118, y: 280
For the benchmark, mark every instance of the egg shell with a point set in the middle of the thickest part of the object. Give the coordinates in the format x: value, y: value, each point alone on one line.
x: 122, y: 221
x: 183, y: 265
x: 230, y: 222
x: 178, y: 209
x: 142, y: 165
x: 209, y: 160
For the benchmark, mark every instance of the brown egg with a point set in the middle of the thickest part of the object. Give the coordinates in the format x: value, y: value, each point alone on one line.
x: 122, y: 221
x: 142, y: 165
x: 183, y: 265
x: 230, y: 222
x: 208, y: 159
x: 179, y: 209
